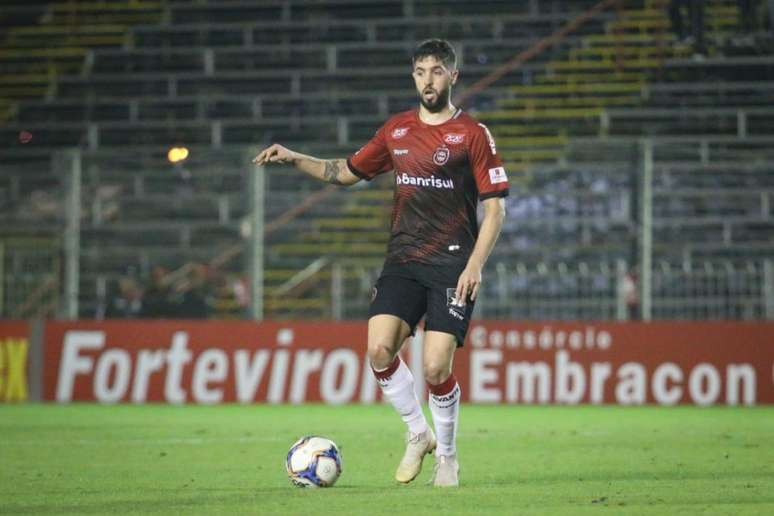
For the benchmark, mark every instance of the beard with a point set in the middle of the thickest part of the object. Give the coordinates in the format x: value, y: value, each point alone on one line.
x: 440, y: 102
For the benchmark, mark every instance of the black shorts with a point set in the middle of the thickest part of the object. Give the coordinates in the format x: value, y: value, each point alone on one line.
x: 412, y: 290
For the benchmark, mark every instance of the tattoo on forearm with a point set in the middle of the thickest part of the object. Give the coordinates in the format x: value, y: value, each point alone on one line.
x: 332, y: 171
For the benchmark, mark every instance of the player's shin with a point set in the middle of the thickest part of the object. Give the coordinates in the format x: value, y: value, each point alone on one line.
x: 445, y: 407
x: 397, y: 384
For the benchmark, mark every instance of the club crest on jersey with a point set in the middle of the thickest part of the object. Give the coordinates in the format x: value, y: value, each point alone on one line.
x: 454, y: 139
x: 399, y: 132
x: 441, y: 156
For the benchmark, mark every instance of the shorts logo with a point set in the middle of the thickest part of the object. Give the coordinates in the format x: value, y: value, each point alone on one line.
x: 400, y: 152
x: 497, y: 175
x: 399, y: 133
x: 374, y: 291
x: 441, y: 156
x: 456, y: 309
x: 454, y: 139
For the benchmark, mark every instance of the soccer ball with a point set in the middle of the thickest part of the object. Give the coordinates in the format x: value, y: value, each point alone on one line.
x: 313, y: 461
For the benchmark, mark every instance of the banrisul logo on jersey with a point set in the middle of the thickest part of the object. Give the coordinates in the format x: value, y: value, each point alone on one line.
x: 432, y: 181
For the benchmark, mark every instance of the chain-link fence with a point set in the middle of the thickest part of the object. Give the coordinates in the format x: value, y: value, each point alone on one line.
x: 617, y: 229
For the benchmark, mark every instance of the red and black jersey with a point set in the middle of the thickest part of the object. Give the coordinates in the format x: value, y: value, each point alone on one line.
x: 441, y: 171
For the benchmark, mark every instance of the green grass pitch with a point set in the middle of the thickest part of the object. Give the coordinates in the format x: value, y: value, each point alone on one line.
x: 155, y: 459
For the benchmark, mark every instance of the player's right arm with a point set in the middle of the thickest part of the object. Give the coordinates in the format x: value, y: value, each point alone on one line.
x: 334, y: 171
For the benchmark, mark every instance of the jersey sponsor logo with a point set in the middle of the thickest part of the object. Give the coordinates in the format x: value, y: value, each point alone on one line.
x: 497, y: 175
x: 441, y: 156
x: 399, y: 132
x: 400, y: 152
x: 453, y: 138
x: 491, y: 140
x: 432, y: 181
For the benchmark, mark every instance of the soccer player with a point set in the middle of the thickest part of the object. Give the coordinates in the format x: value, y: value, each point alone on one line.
x: 444, y: 162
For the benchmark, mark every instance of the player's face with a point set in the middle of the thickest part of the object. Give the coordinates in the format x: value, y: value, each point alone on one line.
x: 433, y: 81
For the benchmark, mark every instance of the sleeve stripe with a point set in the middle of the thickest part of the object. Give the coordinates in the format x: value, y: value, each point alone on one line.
x: 355, y: 171
x: 499, y: 193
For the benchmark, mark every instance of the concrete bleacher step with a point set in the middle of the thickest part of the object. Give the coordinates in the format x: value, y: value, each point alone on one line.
x: 640, y: 53
x: 69, y: 39
x: 532, y: 155
x: 43, y: 52
x: 31, y: 79
x: 510, y: 142
x: 128, y: 17
x: 22, y: 91
x: 276, y: 276
x: 65, y: 30
x: 347, y: 223
x: 520, y: 128
x: 711, y: 10
x: 379, y: 236
x: 375, y: 193
x: 604, y: 65
x: 545, y: 114
x: 560, y: 77
x: 572, y: 102
x: 329, y: 248
x: 374, y: 210
x: 643, y: 23
x: 625, y: 39
x: 587, y: 88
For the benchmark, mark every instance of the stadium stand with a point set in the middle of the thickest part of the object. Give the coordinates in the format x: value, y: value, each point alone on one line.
x: 125, y: 80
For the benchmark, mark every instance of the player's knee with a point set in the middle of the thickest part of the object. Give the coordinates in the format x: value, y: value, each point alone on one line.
x: 436, y: 372
x: 380, y: 354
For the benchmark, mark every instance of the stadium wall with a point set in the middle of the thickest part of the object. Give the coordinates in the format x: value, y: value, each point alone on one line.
x: 664, y: 363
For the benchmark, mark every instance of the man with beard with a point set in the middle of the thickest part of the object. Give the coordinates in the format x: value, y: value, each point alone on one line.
x: 444, y: 162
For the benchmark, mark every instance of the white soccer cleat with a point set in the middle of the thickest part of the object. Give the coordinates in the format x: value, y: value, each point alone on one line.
x: 417, y: 446
x: 446, y: 471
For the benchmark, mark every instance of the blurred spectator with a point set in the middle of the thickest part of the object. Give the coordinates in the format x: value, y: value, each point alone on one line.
x: 631, y: 295
x: 128, y: 303
x: 696, y: 15
x: 193, y: 301
x: 158, y: 301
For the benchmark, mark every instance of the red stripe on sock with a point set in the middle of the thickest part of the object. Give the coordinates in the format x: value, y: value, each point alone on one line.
x: 381, y: 375
x: 443, y: 388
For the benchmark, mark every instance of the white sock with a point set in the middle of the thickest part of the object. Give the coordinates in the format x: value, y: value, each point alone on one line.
x: 445, y: 407
x: 397, y: 384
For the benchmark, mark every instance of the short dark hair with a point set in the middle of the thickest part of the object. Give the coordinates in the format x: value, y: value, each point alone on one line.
x: 437, y: 48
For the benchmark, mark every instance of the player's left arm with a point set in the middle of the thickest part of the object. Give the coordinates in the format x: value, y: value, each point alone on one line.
x: 470, y: 279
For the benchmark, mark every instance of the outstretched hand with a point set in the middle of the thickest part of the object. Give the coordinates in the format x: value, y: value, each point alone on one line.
x: 276, y: 153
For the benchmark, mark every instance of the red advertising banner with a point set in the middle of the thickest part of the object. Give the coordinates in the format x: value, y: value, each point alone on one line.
x: 14, y: 350
x: 206, y: 362
x: 667, y: 363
